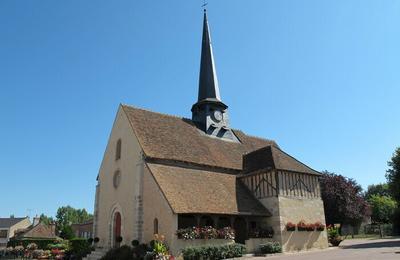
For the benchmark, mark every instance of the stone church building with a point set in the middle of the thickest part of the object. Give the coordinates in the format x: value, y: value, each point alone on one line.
x: 161, y: 173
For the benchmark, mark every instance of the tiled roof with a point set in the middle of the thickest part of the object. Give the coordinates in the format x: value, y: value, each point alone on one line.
x: 39, y: 231
x: 198, y: 191
x: 169, y: 137
x: 9, y: 222
x: 274, y: 157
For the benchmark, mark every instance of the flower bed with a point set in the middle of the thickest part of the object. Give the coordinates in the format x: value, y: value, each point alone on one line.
x: 205, y: 233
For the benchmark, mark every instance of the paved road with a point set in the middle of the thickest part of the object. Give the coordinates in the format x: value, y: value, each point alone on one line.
x: 352, y: 249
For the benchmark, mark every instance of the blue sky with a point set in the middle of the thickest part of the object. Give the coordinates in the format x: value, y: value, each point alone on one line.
x: 319, y: 77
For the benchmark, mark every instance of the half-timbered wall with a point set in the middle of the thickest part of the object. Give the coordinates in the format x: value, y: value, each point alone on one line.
x: 284, y: 183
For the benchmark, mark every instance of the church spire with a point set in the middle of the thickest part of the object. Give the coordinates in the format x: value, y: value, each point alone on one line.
x: 208, y: 82
x: 210, y: 113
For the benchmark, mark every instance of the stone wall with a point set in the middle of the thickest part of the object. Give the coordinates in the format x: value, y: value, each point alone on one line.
x: 124, y: 197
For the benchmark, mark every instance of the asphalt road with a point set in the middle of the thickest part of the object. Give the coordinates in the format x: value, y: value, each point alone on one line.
x: 363, y: 249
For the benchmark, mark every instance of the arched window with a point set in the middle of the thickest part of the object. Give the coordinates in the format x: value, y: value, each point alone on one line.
x: 155, y: 226
x: 118, y: 150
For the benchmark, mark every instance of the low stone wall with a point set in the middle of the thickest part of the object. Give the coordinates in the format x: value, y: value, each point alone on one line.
x: 177, y: 245
x: 252, y: 244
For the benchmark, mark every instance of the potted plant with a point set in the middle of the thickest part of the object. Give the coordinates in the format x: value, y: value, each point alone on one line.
x: 290, y: 226
x: 96, y: 240
x: 301, y: 226
x: 333, y: 236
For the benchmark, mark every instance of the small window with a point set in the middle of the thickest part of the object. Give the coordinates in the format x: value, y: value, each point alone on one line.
x: 118, y: 150
x: 155, y: 226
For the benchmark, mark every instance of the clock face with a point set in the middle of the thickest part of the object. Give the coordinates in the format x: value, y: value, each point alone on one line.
x: 217, y: 115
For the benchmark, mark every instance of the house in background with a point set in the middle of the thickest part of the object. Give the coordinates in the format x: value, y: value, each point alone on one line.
x: 9, y: 227
x: 83, y: 230
x: 37, y: 230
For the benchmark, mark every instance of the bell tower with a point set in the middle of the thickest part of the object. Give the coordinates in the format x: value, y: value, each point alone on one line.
x: 209, y: 113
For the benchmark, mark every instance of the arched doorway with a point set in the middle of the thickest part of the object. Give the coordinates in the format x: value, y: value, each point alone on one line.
x: 240, y: 227
x: 117, y: 229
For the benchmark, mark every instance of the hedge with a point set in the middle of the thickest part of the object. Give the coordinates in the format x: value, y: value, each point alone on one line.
x: 214, y: 252
x: 79, y: 247
x: 271, y: 248
x: 41, y: 243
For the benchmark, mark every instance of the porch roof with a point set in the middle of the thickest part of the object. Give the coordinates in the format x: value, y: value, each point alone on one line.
x: 199, y: 191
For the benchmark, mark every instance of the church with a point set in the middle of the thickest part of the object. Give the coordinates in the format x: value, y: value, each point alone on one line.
x: 161, y: 173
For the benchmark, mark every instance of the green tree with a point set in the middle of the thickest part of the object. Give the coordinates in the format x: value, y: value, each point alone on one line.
x: 45, y: 219
x: 393, y: 179
x: 383, y: 208
x: 66, y: 216
x: 381, y: 189
x: 393, y: 175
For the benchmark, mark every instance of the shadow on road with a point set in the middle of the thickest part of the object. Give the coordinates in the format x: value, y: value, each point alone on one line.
x: 373, y: 245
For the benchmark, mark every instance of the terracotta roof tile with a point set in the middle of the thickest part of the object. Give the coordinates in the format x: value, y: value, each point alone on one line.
x: 169, y: 137
x: 198, y: 191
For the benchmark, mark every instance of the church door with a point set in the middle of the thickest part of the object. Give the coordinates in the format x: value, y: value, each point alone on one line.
x: 117, y: 229
x: 240, y: 227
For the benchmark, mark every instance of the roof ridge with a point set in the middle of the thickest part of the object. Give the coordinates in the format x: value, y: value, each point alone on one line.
x: 297, y: 160
x: 147, y: 110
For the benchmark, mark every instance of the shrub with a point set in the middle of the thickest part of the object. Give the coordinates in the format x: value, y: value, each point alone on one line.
x: 96, y: 240
x: 120, y: 253
x: 90, y: 240
x: 118, y: 239
x: 333, y: 236
x: 79, y: 247
x: 135, y: 243
x: 271, y: 248
x: 41, y: 243
x: 214, y: 252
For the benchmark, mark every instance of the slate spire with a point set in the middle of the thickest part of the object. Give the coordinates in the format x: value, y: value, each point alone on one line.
x: 208, y: 82
x: 209, y: 113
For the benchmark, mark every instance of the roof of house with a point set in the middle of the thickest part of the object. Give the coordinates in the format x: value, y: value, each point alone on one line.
x: 199, y: 191
x: 169, y: 137
x: 273, y: 157
x: 40, y: 230
x: 9, y: 222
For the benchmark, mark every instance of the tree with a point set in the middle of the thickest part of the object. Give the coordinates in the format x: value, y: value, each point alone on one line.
x: 381, y: 189
x: 45, y: 219
x: 393, y: 175
x: 343, y: 200
x: 393, y: 179
x: 382, y: 208
x: 66, y: 216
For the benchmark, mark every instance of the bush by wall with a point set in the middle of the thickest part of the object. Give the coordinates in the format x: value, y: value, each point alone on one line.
x: 271, y: 248
x: 79, y: 247
x: 214, y: 252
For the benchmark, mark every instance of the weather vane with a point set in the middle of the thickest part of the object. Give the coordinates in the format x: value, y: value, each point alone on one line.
x: 204, y: 4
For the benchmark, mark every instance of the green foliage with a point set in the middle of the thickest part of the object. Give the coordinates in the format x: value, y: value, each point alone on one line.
x: 214, y: 252
x: 79, y: 247
x: 334, y: 236
x: 393, y: 175
x: 68, y: 215
x: 120, y: 253
x: 271, y: 248
x: 46, y: 220
x: 381, y: 189
x: 66, y: 232
x: 383, y: 208
x: 41, y: 243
